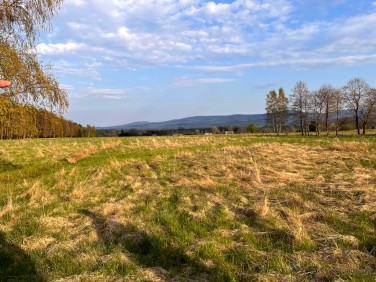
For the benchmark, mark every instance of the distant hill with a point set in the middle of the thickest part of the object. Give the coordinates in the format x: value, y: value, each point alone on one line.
x: 194, y: 122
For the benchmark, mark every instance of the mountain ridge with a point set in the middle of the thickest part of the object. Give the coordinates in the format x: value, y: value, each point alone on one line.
x: 194, y: 122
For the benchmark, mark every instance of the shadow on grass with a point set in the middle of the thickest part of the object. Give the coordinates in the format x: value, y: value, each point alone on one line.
x: 266, y: 233
x: 149, y: 250
x: 8, y: 166
x: 15, y: 264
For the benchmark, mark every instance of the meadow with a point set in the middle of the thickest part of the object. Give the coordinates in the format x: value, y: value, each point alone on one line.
x: 188, y: 208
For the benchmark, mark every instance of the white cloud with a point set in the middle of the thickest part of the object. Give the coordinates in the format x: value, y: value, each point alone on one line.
x: 67, y: 87
x: 102, y: 93
x: 106, y: 91
x: 154, y: 32
x: 109, y: 93
x: 87, y: 68
x: 112, y: 97
x: 183, y: 82
x: 266, y: 85
x: 139, y: 33
x: 59, y: 48
x: 314, y: 61
x: 77, y: 3
x: 219, y: 9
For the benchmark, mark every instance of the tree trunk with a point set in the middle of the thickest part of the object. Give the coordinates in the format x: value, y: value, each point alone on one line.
x: 327, y: 122
x: 301, y: 124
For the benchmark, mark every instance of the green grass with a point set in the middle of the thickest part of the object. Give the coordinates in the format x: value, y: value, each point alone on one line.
x: 188, y: 208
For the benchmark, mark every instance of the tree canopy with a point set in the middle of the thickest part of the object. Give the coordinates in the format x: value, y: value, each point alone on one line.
x: 20, y: 23
x: 277, y: 110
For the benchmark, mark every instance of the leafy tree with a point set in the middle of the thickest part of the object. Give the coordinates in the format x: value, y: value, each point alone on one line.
x: 6, y: 109
x: 276, y: 110
x: 271, y: 110
x: 252, y: 128
x: 20, y: 22
x: 25, y: 121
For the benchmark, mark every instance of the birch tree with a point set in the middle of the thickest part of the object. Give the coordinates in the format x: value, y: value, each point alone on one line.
x: 277, y: 110
x: 20, y: 23
x: 300, y: 105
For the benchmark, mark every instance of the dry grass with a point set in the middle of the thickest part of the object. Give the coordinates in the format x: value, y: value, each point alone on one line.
x: 350, y: 147
x: 81, y: 155
x: 235, y: 208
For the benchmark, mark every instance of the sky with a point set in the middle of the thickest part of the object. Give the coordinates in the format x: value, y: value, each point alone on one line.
x: 123, y: 61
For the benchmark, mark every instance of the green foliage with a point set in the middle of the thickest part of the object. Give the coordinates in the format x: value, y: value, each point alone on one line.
x: 346, y: 124
x: 20, y: 22
x: 252, y: 128
x: 277, y: 110
x: 24, y: 121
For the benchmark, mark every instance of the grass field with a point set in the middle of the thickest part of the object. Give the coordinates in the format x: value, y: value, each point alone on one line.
x: 198, y: 208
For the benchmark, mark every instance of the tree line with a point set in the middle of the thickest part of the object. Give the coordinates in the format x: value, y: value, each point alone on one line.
x: 171, y: 132
x: 322, y: 109
x: 19, y: 120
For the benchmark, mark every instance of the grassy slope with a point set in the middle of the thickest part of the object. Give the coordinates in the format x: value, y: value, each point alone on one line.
x: 217, y: 208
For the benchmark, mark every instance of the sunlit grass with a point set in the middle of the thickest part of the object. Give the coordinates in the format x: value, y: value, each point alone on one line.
x: 198, y: 208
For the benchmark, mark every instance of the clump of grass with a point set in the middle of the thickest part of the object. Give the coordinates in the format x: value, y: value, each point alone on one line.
x: 38, y: 196
x: 110, y: 145
x: 257, y: 171
x: 349, y: 146
x: 297, y: 227
x: 9, y: 207
x: 81, y: 155
x: 263, y: 211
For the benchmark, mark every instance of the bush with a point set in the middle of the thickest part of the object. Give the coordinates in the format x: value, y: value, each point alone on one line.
x: 252, y: 128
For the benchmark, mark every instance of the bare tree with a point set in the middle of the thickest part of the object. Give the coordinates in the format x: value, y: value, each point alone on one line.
x: 338, y: 105
x: 327, y: 93
x: 316, y: 107
x: 367, y: 108
x: 358, y: 98
x: 300, y: 105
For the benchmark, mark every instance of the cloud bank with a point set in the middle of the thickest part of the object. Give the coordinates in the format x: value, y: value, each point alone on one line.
x: 140, y: 33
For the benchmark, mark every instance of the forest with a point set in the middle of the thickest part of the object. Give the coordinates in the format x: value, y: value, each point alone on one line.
x: 26, y: 121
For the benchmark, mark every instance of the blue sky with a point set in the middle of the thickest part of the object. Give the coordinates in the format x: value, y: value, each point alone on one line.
x: 152, y: 60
